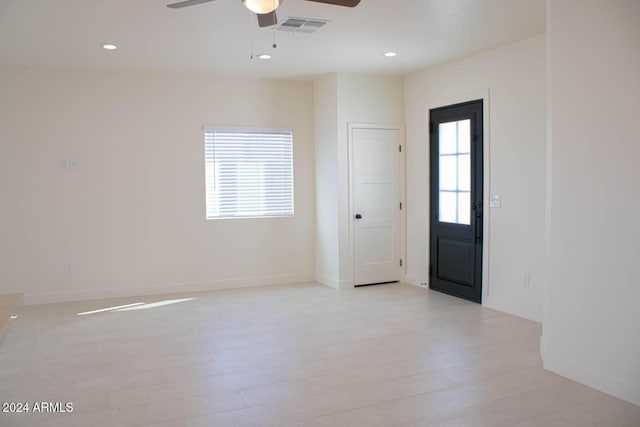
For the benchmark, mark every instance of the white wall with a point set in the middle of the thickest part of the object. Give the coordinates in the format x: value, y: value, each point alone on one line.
x: 341, y: 99
x: 361, y: 99
x: 591, y: 317
x: 514, y: 77
x: 132, y: 220
x: 325, y: 102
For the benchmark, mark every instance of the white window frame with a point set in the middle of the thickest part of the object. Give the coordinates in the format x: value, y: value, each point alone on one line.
x: 247, y: 193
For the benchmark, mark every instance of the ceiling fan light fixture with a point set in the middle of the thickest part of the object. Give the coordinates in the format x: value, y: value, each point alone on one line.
x: 261, y: 6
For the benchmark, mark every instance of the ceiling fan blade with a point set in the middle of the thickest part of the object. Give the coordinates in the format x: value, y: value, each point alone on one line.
x: 267, y: 19
x: 187, y: 3
x: 346, y: 3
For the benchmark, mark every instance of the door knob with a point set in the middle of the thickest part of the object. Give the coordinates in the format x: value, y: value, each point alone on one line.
x: 358, y: 216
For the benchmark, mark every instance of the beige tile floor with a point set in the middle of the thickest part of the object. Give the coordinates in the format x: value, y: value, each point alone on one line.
x: 8, y: 305
x: 302, y: 355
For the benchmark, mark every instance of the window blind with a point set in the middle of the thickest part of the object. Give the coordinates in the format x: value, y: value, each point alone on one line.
x: 249, y: 172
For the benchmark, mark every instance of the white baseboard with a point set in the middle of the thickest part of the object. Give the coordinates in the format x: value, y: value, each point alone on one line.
x: 415, y: 280
x: 417, y: 285
x: 345, y: 285
x: 327, y: 281
x: 165, y: 288
x: 599, y: 380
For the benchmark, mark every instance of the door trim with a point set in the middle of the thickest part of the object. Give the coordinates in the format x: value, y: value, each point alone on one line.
x: 486, y: 153
x: 401, y: 170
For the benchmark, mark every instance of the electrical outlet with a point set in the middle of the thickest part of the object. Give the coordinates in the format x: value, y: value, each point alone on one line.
x: 495, y: 201
x: 75, y: 164
x: 70, y: 164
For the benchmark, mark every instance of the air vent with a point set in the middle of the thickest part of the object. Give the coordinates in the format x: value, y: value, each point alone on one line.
x: 301, y: 25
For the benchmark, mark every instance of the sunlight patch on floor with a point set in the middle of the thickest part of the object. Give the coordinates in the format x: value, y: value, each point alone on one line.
x: 136, y: 306
x: 146, y: 306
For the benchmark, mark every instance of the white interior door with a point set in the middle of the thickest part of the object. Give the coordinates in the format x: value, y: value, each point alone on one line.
x: 375, y: 163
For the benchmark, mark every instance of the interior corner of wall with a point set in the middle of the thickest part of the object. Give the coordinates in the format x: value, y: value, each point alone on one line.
x: 327, y: 281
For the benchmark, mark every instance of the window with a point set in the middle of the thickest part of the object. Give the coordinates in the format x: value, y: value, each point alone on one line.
x: 455, y: 172
x: 249, y: 172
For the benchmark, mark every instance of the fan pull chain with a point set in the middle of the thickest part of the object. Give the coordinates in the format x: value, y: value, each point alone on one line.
x: 275, y: 45
x: 251, y: 33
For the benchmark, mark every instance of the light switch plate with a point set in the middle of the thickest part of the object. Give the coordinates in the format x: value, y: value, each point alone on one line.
x: 495, y: 201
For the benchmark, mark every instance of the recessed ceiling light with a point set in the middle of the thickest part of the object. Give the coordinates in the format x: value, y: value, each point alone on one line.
x: 109, y: 46
x: 390, y: 54
x: 264, y: 56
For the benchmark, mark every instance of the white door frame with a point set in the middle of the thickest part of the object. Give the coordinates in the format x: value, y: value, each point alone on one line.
x: 401, y: 170
x: 486, y: 153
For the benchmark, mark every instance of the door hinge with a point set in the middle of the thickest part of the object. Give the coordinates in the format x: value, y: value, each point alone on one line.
x: 400, y: 263
x: 400, y: 205
x: 400, y: 148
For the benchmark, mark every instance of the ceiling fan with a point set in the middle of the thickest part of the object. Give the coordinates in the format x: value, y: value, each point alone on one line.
x: 265, y: 9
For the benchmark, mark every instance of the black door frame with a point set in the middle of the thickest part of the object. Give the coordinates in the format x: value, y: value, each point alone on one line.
x: 473, y: 233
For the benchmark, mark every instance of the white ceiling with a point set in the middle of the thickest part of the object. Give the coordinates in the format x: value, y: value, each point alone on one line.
x: 216, y: 37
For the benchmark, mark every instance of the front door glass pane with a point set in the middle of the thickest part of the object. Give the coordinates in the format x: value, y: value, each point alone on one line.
x: 455, y: 172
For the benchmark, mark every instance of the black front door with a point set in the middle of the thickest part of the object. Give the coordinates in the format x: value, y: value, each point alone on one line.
x: 455, y: 265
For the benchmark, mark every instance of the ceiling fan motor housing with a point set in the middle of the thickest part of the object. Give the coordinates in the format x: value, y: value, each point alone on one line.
x: 265, y: 9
